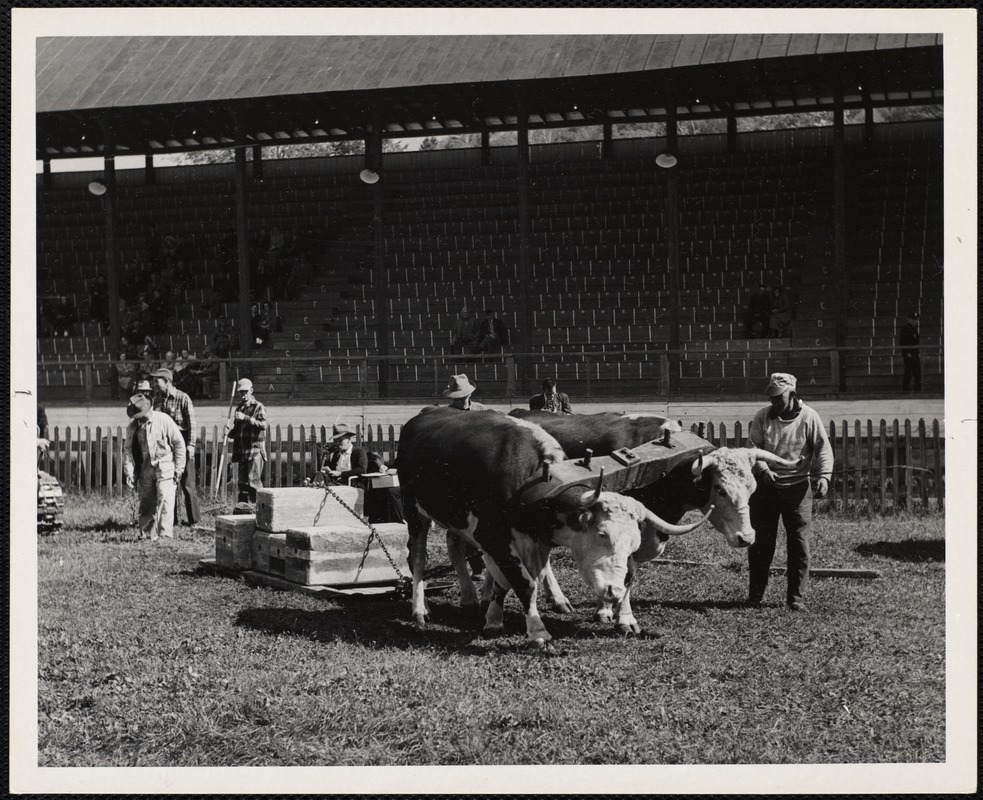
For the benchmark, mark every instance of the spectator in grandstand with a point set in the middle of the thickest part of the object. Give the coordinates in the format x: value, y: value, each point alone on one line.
x: 492, y: 334
x: 204, y: 372
x: 170, y: 358
x: 262, y: 324
x: 910, y: 354
x: 99, y: 301
x: 790, y: 429
x: 184, y: 378
x: 222, y: 339
x: 759, y: 314
x: 459, y: 390
x: 126, y: 372
x: 164, y: 457
x: 63, y: 315
x: 465, y: 332
x: 551, y: 400
x: 178, y: 406
x: 780, y: 322
x: 248, y: 434
x: 345, y: 461
x: 128, y: 347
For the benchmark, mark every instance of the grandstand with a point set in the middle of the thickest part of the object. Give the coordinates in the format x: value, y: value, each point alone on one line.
x: 619, y: 277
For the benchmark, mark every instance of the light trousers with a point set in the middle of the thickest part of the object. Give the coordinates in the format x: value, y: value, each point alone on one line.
x: 156, y: 503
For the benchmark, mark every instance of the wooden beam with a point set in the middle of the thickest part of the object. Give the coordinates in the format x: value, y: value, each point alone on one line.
x: 242, y: 238
x: 839, y: 229
x: 257, y: 162
x: 672, y: 236
x: 607, y: 143
x: 112, y: 274
x: 373, y: 161
x: 521, y: 341
x: 149, y: 175
x: 46, y: 173
x: 485, y: 148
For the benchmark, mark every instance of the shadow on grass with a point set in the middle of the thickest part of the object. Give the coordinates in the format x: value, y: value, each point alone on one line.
x: 909, y: 550
x: 106, y: 526
x: 701, y: 606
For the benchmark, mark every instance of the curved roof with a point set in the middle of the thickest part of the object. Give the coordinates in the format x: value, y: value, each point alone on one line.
x: 84, y: 73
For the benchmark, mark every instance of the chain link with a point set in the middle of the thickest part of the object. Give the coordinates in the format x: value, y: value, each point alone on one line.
x: 364, y: 520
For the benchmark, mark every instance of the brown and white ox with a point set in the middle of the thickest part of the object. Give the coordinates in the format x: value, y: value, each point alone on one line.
x: 466, y: 472
x: 719, y: 482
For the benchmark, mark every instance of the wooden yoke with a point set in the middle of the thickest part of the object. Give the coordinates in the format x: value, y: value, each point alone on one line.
x: 623, y: 470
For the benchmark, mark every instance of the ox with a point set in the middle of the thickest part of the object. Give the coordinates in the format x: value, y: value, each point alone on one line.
x: 723, y: 476
x: 467, y: 472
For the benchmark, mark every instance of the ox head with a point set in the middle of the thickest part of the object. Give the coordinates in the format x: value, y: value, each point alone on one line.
x: 603, y: 530
x: 727, y: 473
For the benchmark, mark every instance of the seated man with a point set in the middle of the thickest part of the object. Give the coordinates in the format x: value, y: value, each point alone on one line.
x: 492, y: 334
x: 551, y: 400
x: 345, y: 461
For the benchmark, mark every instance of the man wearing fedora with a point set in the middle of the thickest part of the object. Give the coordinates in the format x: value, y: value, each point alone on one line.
x: 248, y: 434
x: 178, y: 406
x: 790, y: 429
x: 345, y: 460
x: 459, y: 391
x: 163, y: 460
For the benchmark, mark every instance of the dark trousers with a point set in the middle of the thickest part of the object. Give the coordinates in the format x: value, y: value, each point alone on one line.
x: 794, y: 507
x: 186, y: 490
x: 250, y: 477
x: 912, y: 371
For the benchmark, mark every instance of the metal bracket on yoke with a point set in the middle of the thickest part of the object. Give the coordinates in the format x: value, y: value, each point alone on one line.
x: 624, y: 456
x: 585, y: 461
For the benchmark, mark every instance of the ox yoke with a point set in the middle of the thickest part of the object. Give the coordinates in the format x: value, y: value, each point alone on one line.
x: 623, y: 470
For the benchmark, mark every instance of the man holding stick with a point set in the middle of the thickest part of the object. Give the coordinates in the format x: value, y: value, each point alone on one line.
x: 247, y: 430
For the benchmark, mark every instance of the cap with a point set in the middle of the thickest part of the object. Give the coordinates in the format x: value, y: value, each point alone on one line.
x: 779, y: 382
x: 163, y: 373
x: 138, y: 408
x: 244, y: 385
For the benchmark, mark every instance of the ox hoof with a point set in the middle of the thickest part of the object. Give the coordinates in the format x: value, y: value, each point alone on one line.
x: 541, y: 646
x: 628, y: 629
x: 604, y: 616
x: 563, y: 608
x: 492, y: 631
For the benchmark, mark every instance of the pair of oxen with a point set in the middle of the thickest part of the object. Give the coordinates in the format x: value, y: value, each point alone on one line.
x: 468, y: 472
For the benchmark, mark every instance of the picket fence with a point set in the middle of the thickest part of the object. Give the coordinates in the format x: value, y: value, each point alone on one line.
x: 893, y: 466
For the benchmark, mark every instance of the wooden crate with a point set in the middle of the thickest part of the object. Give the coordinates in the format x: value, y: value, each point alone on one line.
x: 234, y: 540
x: 279, y: 510
x: 269, y: 553
x: 344, y: 554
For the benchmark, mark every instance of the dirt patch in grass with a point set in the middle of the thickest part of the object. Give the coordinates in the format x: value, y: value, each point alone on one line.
x: 146, y: 661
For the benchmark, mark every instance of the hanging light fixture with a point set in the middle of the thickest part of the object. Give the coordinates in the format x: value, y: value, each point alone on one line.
x: 666, y: 160
x: 98, y: 188
x: 369, y: 176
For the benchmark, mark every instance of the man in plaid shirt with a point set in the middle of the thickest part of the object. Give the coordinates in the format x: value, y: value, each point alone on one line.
x: 248, y: 435
x: 178, y: 406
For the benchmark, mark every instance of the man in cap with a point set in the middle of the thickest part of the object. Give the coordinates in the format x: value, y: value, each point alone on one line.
x: 178, y: 406
x: 551, y: 400
x: 790, y: 429
x: 345, y: 460
x: 459, y: 390
x: 248, y: 434
x: 910, y: 354
x: 163, y: 460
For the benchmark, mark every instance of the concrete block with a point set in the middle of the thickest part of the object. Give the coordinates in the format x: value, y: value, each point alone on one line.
x: 279, y: 510
x: 234, y: 540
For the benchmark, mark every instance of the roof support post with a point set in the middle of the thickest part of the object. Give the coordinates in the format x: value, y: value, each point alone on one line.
x: 485, y: 148
x: 731, y: 133
x: 373, y: 159
x: 46, y: 173
x: 868, y: 119
x: 521, y: 342
x: 149, y: 176
x: 257, y: 162
x: 607, y: 142
x: 840, y: 272
x: 244, y: 321
x: 672, y: 240
x: 109, y: 204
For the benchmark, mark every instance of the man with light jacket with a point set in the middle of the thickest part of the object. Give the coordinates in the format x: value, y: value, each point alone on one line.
x: 790, y: 429
x: 164, y: 457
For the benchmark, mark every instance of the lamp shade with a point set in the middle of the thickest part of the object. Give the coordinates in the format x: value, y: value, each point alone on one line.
x: 665, y: 160
x: 368, y: 176
x: 98, y: 188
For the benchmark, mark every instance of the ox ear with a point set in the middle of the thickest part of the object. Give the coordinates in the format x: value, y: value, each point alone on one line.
x: 581, y: 520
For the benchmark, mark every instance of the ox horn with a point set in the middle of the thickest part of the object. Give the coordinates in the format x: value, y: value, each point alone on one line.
x: 770, y: 458
x: 676, y: 530
x: 588, y: 498
x: 701, y: 464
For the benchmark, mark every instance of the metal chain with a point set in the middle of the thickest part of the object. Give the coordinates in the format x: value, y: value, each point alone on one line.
x: 364, y: 521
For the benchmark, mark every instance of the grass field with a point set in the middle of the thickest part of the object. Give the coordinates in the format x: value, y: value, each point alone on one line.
x: 145, y: 660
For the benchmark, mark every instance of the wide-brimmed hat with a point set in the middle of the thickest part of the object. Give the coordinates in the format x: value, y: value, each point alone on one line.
x: 244, y: 385
x: 163, y: 372
x: 139, y: 407
x: 144, y: 386
x: 459, y: 386
x: 779, y: 382
x: 341, y: 431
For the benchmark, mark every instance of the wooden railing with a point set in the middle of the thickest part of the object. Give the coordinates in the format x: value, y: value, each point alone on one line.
x: 897, y: 465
